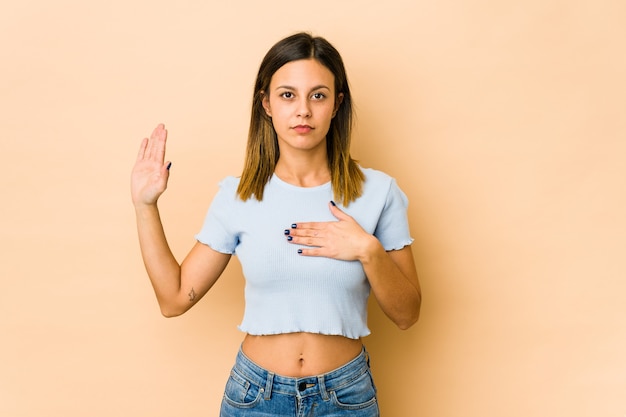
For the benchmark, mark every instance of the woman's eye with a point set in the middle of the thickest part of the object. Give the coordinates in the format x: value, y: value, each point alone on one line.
x: 287, y: 94
x: 318, y: 96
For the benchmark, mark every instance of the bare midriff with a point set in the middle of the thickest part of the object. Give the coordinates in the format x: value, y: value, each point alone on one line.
x: 301, y: 354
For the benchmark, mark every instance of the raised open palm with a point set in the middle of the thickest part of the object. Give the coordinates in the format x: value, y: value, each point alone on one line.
x: 151, y: 172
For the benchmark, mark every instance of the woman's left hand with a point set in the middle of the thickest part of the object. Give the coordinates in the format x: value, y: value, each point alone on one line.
x: 343, y: 239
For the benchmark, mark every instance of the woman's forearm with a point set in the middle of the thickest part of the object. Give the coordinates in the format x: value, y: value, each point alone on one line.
x: 162, y: 267
x: 394, y: 282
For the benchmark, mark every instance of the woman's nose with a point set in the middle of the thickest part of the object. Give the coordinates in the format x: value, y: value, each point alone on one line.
x: 304, y: 108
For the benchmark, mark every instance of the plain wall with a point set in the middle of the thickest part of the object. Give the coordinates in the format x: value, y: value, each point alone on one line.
x: 504, y: 123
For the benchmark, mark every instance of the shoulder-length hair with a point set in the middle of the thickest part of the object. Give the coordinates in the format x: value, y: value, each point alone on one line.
x: 262, y: 150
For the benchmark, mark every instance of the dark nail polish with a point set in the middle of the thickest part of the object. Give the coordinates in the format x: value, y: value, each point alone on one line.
x: 293, y: 226
x: 286, y: 231
x: 299, y: 250
x: 333, y: 203
x: 290, y: 238
x: 169, y: 166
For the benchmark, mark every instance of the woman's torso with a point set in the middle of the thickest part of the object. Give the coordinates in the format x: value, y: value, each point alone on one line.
x: 293, y: 303
x: 301, y: 354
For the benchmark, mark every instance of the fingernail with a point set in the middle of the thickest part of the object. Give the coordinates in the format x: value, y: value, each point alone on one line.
x: 286, y: 231
x: 290, y: 238
x: 168, y: 166
x: 293, y: 226
x: 333, y: 203
x: 299, y: 250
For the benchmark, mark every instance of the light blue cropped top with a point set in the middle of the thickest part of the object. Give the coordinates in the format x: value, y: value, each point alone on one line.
x: 286, y: 292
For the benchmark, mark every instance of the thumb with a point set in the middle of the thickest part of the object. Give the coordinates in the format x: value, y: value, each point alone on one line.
x: 337, y: 212
x: 165, y: 170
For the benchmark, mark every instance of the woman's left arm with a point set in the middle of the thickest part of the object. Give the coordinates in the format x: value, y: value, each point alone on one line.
x: 392, y: 274
x: 394, y: 282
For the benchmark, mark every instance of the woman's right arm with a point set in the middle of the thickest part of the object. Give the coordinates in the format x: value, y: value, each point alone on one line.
x: 177, y: 286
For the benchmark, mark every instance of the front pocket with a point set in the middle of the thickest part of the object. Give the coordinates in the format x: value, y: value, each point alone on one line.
x: 240, y: 392
x: 359, y: 394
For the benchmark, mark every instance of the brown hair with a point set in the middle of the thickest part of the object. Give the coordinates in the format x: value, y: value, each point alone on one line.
x: 262, y: 150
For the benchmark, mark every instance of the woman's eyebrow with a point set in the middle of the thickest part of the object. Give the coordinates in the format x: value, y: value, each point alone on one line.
x: 317, y: 87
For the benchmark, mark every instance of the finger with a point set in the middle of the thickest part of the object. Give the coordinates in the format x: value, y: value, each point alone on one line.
x: 297, y: 227
x: 142, y: 149
x: 151, y: 140
x: 310, y: 252
x: 303, y: 231
x: 305, y: 240
x: 162, y: 137
x: 308, y: 226
x: 165, y: 170
x: 156, y: 144
x: 337, y: 212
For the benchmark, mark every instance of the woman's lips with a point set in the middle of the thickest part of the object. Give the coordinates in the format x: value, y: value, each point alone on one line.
x: 302, y: 129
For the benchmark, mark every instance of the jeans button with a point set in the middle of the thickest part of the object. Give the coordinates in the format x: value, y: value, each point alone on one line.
x: 301, y: 386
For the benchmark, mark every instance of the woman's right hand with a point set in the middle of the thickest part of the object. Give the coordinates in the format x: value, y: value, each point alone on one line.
x: 151, y: 172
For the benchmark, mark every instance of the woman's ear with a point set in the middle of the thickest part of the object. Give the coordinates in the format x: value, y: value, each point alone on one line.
x: 338, y: 103
x: 265, y: 102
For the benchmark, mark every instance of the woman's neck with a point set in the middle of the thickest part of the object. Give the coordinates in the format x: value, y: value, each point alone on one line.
x: 303, y: 173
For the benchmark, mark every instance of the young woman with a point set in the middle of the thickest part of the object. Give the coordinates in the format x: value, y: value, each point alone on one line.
x: 314, y: 232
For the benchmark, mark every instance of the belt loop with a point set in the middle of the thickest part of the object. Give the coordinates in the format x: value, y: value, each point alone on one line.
x: 322, y: 387
x: 268, y: 386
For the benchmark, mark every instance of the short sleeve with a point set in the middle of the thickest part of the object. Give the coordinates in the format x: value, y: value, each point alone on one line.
x: 218, y: 232
x: 392, y: 229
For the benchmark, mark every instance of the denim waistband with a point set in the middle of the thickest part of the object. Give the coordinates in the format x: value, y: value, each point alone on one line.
x: 305, y: 386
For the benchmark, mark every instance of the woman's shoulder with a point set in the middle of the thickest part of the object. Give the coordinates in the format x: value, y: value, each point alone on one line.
x: 380, y: 182
x: 375, y: 176
x: 229, y: 183
x: 226, y: 190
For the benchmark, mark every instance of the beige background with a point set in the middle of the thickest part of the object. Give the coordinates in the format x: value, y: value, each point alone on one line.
x: 503, y: 122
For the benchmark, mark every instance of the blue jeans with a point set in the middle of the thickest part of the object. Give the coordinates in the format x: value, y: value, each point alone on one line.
x: 252, y: 391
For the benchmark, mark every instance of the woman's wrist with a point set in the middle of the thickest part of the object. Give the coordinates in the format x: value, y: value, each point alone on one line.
x: 146, y: 209
x: 370, y: 249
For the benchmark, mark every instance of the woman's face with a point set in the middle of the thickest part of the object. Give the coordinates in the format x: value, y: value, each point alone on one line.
x: 301, y: 102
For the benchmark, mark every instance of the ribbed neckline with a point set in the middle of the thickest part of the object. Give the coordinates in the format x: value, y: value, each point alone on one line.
x: 275, y: 178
